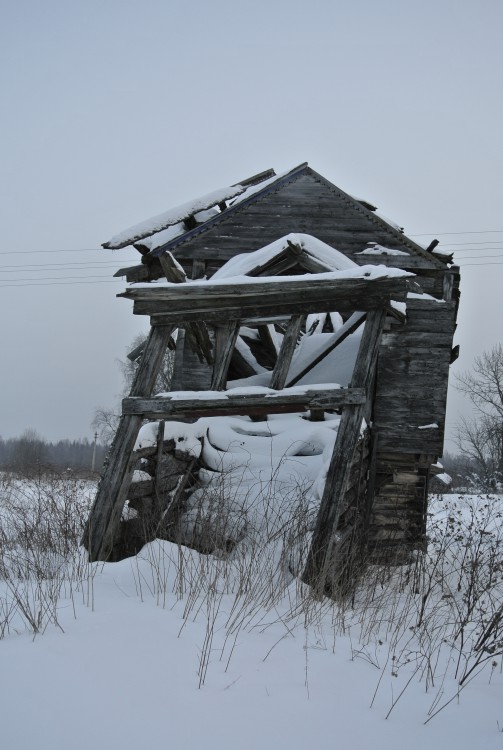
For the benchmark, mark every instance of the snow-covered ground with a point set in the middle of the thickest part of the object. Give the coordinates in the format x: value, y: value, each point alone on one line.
x: 177, y: 649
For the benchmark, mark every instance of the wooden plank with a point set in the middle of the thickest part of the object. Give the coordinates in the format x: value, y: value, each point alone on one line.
x: 307, y: 206
x: 215, y: 303
x: 196, y: 332
x: 286, y: 351
x: 225, y: 341
x: 198, y: 269
x: 277, y: 403
x: 171, y: 269
x: 112, y: 491
x: 175, y: 499
x: 134, y: 273
x: 159, y: 450
x: 321, y: 556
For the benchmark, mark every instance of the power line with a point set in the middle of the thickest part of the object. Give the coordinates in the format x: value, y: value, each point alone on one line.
x: 83, y: 263
x: 479, y: 257
x: 443, y: 234
x: 491, y: 242
x: 16, y: 285
x: 31, y: 252
x: 465, y: 265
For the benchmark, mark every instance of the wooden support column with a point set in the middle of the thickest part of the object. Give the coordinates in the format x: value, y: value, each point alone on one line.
x: 286, y: 351
x: 197, y: 333
x: 225, y: 341
x: 319, y: 571
x: 106, y: 512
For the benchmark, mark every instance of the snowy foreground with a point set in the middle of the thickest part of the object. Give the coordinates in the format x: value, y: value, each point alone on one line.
x: 176, y: 649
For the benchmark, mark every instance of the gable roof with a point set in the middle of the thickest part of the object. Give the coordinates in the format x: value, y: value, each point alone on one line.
x: 190, y: 221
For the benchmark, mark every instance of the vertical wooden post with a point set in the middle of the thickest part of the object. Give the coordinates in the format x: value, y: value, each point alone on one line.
x: 286, y: 351
x: 225, y: 341
x: 158, y: 458
x: 321, y: 557
x: 106, y: 512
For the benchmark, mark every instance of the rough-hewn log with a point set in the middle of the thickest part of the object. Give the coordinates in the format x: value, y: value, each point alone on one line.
x: 225, y: 341
x: 286, y: 351
x: 319, y: 571
x: 114, y: 485
x: 221, y: 302
x: 277, y: 403
x: 197, y: 333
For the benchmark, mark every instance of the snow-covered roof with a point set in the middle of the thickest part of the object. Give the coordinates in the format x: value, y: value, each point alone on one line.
x: 188, y: 220
x: 172, y: 216
x: 328, y: 257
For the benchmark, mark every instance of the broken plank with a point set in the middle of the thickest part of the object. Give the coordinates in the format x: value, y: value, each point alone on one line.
x: 286, y: 351
x: 225, y: 341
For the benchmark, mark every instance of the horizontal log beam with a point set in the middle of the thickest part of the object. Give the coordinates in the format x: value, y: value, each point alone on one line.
x: 216, y: 302
x: 253, y: 404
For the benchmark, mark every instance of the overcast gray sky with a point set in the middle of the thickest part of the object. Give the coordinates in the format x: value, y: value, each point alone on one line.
x: 115, y: 110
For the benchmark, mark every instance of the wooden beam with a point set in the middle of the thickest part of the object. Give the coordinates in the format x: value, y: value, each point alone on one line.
x: 217, y: 303
x: 198, y: 269
x: 286, y: 351
x: 197, y: 333
x: 225, y: 341
x: 105, y: 515
x: 322, y: 554
x: 280, y: 402
x: 171, y: 269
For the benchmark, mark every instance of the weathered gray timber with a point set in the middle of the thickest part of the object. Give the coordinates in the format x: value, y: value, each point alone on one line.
x: 216, y: 303
x: 377, y: 484
x: 413, y: 375
x: 196, y: 332
x: 285, y: 354
x: 303, y: 201
x: 321, y: 564
x: 225, y: 341
x: 114, y: 485
x: 281, y: 402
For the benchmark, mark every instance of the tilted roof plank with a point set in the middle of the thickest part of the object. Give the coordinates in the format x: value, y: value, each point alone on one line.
x: 185, y: 212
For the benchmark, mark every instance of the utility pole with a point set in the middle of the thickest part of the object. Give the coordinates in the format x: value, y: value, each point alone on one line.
x: 94, y: 451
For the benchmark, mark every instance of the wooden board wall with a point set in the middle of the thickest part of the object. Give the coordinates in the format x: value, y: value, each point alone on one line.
x: 412, y: 379
x: 305, y: 205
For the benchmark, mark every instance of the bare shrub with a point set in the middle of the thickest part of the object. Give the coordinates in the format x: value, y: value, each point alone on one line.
x: 41, y: 522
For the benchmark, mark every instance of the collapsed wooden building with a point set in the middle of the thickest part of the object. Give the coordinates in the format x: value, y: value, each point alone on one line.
x: 285, y: 295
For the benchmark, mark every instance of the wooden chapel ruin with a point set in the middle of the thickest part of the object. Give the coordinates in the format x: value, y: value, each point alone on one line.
x: 262, y: 285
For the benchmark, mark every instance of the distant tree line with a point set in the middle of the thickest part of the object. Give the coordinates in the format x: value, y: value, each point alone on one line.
x: 30, y: 454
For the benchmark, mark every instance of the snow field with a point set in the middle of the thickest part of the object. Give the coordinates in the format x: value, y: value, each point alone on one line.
x: 177, y: 648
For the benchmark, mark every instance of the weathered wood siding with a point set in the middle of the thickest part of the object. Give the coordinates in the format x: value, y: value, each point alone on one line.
x: 398, y: 515
x: 308, y: 205
x: 413, y: 372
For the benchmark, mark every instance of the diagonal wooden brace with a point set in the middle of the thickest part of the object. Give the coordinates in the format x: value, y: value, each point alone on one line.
x: 112, y: 492
x: 321, y: 556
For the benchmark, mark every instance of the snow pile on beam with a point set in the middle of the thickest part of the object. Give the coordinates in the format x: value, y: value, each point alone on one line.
x: 376, y: 249
x: 241, y: 265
